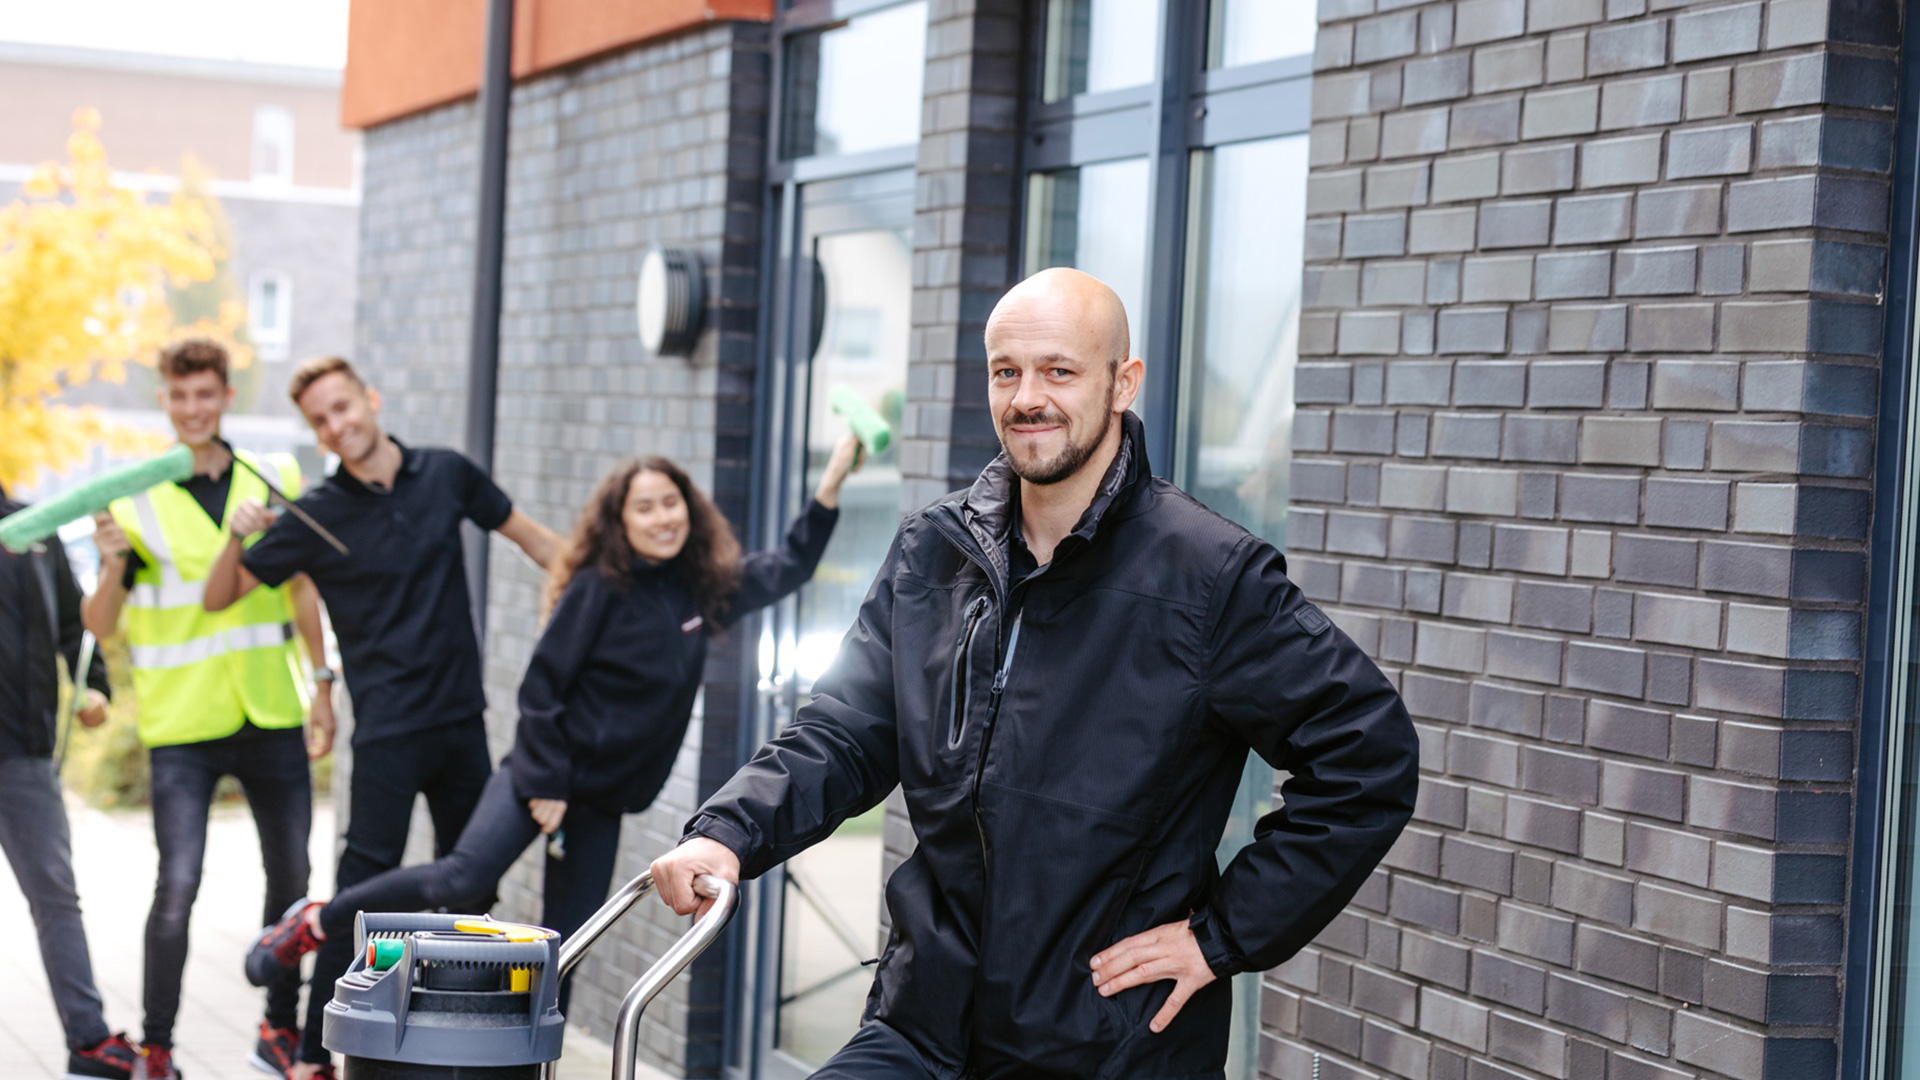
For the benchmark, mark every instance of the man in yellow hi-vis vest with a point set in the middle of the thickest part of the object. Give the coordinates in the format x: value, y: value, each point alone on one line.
x: 218, y: 694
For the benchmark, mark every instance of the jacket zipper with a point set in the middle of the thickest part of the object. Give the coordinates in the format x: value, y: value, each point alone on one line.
x: 986, y: 732
x: 960, y: 699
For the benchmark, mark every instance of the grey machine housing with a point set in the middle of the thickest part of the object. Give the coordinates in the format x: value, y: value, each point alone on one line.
x: 445, y: 1002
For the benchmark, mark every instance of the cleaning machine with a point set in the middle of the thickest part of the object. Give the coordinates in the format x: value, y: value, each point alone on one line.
x: 463, y: 997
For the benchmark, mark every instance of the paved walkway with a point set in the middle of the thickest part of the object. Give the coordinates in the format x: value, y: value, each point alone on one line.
x: 114, y: 860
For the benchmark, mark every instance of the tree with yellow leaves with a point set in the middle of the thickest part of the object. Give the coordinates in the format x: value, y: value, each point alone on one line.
x: 84, y: 271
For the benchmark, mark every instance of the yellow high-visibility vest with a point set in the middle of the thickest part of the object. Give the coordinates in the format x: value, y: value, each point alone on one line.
x: 199, y: 675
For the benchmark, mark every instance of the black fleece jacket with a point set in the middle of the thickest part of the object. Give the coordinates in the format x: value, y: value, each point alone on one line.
x: 607, y: 696
x: 29, y: 679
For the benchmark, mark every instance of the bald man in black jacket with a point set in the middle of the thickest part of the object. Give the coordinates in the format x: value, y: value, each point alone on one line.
x: 1064, y: 668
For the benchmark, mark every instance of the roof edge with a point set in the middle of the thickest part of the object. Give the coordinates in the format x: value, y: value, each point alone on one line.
x: 184, y: 67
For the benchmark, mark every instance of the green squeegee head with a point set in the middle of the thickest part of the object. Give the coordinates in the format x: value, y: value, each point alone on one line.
x: 874, y: 433
x: 20, y: 531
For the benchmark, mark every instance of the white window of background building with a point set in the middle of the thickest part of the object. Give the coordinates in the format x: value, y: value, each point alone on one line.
x: 272, y: 144
x: 270, y: 313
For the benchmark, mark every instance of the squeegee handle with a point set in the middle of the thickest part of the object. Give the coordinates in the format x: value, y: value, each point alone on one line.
x: 275, y: 491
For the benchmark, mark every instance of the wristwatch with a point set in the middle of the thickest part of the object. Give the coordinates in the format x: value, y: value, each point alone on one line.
x: 324, y: 674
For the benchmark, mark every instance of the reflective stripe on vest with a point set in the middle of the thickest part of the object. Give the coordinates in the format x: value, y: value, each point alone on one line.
x: 170, y: 592
x: 197, y: 674
x: 215, y: 644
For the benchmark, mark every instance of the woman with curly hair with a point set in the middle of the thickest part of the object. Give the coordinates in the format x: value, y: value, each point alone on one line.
x: 651, y: 572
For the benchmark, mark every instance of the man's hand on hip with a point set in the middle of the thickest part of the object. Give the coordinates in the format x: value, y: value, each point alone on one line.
x: 1164, y: 952
x: 673, y: 873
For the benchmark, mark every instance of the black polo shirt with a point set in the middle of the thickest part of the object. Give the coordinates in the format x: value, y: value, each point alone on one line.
x: 399, y: 602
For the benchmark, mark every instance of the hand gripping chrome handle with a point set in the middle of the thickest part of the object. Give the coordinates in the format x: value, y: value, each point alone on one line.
x: 626, y: 1036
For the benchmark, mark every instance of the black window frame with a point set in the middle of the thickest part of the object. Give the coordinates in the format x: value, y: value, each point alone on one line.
x: 1186, y: 108
x: 750, y: 1002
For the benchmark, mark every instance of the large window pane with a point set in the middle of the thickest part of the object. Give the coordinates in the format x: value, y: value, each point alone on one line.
x: 856, y: 87
x: 1094, y: 218
x: 1249, y: 31
x: 1239, y: 344
x: 1095, y: 45
x: 1242, y: 329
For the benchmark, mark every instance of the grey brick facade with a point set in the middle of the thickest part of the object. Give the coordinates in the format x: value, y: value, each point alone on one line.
x: 659, y: 144
x: 1575, y: 270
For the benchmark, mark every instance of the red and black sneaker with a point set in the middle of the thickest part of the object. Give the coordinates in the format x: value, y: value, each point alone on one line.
x: 112, y: 1058
x: 279, y: 947
x: 159, y: 1062
x: 275, y: 1051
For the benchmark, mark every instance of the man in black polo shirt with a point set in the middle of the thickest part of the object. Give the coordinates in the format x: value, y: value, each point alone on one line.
x: 400, y: 609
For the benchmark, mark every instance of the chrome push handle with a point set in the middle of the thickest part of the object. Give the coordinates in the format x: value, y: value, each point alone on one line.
x: 705, y: 930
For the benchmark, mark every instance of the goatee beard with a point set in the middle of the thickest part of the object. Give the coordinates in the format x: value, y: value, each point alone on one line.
x: 1065, y: 463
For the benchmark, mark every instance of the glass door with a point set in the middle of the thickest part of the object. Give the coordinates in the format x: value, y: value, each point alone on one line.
x: 850, y: 282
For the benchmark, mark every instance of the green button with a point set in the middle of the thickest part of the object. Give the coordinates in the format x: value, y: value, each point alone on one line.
x: 383, y: 953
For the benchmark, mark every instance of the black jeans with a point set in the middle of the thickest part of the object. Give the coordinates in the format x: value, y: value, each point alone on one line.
x: 500, y: 829
x: 447, y: 764
x: 272, y: 769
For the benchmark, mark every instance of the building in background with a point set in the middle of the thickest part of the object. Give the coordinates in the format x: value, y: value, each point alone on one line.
x: 1546, y: 336
x: 268, y: 139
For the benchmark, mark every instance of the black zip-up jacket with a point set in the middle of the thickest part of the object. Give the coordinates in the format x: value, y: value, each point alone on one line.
x: 29, y: 678
x: 606, y: 698
x: 1069, y: 748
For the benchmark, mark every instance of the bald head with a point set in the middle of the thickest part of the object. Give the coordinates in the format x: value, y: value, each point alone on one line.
x: 1069, y: 303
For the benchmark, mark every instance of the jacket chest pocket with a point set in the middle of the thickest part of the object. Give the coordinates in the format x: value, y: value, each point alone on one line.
x: 960, y: 681
x: 944, y: 641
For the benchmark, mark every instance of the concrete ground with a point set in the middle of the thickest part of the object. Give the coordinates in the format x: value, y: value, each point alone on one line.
x: 114, y: 860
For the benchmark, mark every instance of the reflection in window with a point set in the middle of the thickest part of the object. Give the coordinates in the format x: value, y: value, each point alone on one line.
x: 856, y: 87
x: 1249, y: 31
x: 1095, y: 45
x: 1094, y: 218
x: 1242, y: 328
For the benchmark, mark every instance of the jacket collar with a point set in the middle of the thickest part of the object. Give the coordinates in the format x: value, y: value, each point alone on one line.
x: 994, y: 498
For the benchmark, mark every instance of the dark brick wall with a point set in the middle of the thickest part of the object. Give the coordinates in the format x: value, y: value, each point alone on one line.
x: 1582, y: 457
x: 659, y: 144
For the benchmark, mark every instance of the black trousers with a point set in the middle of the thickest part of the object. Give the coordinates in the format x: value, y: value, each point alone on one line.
x: 447, y: 764
x: 464, y: 880
x: 877, y: 1052
x: 272, y: 769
